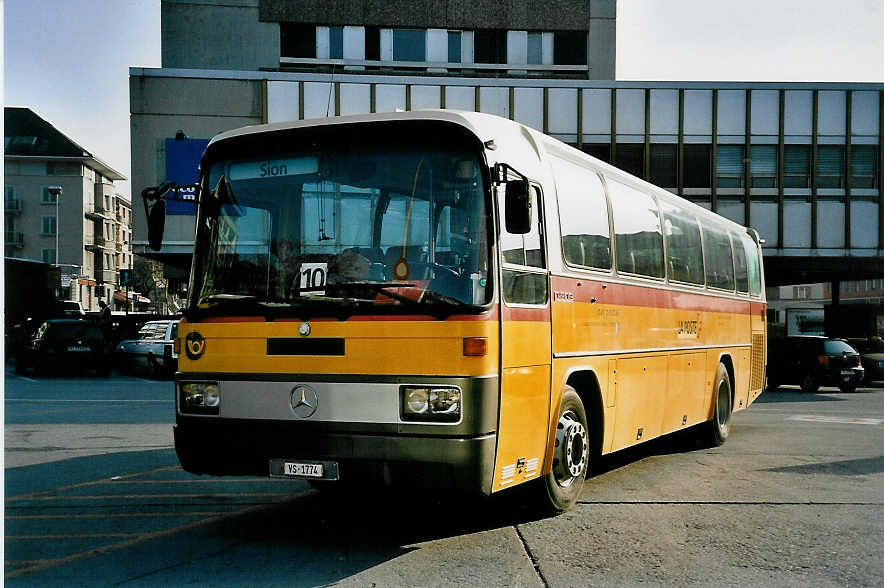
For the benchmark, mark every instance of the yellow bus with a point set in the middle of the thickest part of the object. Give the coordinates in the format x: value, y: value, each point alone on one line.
x: 444, y: 298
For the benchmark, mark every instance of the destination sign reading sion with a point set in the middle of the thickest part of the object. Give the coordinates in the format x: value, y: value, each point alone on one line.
x: 272, y: 168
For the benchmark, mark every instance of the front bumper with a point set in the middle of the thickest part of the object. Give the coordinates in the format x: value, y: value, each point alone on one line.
x: 356, y: 422
x: 245, y: 448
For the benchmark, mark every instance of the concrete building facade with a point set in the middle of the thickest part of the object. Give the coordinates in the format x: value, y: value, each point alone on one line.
x: 799, y: 162
x: 60, y: 207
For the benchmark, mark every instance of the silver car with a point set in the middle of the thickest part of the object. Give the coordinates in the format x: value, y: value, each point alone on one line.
x: 152, y: 350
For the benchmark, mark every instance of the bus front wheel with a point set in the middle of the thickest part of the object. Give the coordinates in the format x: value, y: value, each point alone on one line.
x: 562, y: 485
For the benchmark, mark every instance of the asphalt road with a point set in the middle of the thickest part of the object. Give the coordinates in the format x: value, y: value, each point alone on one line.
x: 94, y: 496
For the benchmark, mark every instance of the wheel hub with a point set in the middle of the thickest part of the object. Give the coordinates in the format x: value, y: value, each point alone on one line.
x: 572, y: 450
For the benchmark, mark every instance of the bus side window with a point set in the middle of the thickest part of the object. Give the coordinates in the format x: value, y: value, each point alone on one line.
x: 684, y: 251
x: 741, y: 267
x: 638, y: 234
x: 719, y: 258
x: 583, y: 217
x: 753, y: 264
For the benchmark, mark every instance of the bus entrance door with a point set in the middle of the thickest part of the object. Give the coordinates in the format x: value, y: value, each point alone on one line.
x: 525, y: 355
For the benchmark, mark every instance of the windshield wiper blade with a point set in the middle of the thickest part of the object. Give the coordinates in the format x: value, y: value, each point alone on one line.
x: 439, y: 305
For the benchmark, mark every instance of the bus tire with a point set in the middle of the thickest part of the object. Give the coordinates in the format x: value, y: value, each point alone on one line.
x: 719, y: 427
x: 562, y: 485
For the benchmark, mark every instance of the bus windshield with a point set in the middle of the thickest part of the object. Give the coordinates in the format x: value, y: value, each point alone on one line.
x: 352, y: 223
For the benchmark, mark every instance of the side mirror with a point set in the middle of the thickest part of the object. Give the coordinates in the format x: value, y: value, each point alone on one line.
x: 156, y: 223
x: 518, y: 207
x: 156, y: 213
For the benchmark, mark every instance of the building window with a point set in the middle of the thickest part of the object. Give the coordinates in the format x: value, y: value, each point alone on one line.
x: 598, y: 150
x: 373, y: 43
x: 569, y: 48
x: 863, y: 165
x: 297, y: 40
x: 409, y: 45
x: 9, y: 195
x: 47, y: 255
x: 664, y: 165
x: 454, y: 45
x: 535, y: 48
x: 697, y: 165
x: 490, y: 46
x: 763, y: 166
x: 729, y: 167
x: 796, y: 166
x: 830, y: 166
x: 336, y: 42
x: 47, y: 197
x: 630, y: 157
x: 48, y: 225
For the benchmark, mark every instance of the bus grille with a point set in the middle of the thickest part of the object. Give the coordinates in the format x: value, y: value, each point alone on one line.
x: 757, y: 381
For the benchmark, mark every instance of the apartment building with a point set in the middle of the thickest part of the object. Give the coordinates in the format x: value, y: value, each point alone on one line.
x: 60, y: 207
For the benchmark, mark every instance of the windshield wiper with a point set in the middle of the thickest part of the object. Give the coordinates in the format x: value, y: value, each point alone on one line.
x: 439, y: 305
x: 271, y: 308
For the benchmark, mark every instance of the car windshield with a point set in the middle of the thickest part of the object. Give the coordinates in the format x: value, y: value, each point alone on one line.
x: 837, y: 347
x: 384, y: 221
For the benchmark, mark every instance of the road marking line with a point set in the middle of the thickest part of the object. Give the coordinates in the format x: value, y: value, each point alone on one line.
x: 155, y: 496
x: 41, y: 565
x: 199, y: 481
x: 26, y: 379
x: 90, y: 400
x: 72, y: 536
x: 90, y: 483
x: 127, y: 515
x: 834, y: 419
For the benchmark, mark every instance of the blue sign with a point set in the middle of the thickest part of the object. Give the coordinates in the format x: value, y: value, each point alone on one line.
x: 182, y: 167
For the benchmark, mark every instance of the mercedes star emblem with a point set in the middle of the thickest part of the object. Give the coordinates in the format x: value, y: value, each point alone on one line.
x: 304, y: 401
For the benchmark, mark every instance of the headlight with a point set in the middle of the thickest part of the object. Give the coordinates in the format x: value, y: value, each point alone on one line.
x: 199, y: 397
x: 431, y: 404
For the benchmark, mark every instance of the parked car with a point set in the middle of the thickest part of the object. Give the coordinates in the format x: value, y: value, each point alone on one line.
x: 61, y: 345
x: 813, y: 362
x: 72, y: 308
x: 872, y: 352
x: 152, y: 350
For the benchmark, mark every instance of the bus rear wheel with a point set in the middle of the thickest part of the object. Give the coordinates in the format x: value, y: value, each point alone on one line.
x: 562, y: 485
x: 720, y: 426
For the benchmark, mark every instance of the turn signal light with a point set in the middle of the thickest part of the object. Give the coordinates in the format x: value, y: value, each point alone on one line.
x: 475, y: 346
x: 824, y: 360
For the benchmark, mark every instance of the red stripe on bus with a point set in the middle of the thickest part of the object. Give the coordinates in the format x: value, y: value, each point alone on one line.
x: 491, y: 315
x: 602, y: 292
x: 525, y: 314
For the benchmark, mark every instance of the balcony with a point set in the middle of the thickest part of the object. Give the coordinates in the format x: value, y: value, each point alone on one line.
x: 95, y: 243
x: 13, y: 205
x: 15, y: 239
x: 93, y: 215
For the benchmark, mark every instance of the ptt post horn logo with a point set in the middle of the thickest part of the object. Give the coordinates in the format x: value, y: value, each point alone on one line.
x: 305, y: 401
x: 194, y: 345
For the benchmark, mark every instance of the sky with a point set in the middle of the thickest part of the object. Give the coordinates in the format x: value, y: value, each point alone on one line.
x: 68, y: 60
